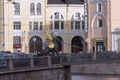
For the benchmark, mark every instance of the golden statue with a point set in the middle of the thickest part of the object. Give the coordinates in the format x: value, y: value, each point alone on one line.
x: 49, y: 40
x: 51, y: 47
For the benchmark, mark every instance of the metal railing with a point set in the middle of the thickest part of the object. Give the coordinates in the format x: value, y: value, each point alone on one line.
x: 21, y: 63
x: 63, y: 59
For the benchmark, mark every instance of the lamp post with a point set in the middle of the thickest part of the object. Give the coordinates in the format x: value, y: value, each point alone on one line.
x: 34, y: 40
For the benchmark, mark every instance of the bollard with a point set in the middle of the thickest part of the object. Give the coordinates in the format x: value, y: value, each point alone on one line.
x: 49, y: 61
x: 31, y: 62
x: 10, y: 62
x: 94, y: 56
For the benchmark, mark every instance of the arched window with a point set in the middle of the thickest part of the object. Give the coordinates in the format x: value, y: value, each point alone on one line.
x: 17, y: 9
x: 77, y: 22
x: 38, y: 9
x: 32, y: 9
x: 57, y: 22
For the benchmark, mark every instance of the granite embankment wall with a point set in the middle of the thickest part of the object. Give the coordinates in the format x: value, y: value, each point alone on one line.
x: 96, y: 71
x: 48, y: 73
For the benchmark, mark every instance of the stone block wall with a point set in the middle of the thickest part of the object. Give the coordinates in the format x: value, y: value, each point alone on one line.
x: 96, y: 71
x: 54, y: 73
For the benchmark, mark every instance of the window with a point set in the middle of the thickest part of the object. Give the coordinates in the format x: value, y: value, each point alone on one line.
x: 38, y: 9
x: 51, y: 25
x: 57, y: 21
x: 99, y: 7
x: 32, y: 9
x: 56, y: 15
x: 17, y: 25
x: 77, y: 22
x: 62, y: 25
x: 40, y: 25
x: 77, y: 25
x: 83, y: 25
x: 72, y: 25
x: 77, y: 16
x: 30, y: 25
x: 56, y: 24
x: 16, y: 42
x: 17, y: 9
x: 100, y: 23
x: 35, y: 25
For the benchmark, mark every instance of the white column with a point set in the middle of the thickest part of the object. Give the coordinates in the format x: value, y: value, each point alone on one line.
x: 113, y: 42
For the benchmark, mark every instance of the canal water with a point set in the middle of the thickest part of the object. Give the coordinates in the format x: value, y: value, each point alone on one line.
x: 95, y: 77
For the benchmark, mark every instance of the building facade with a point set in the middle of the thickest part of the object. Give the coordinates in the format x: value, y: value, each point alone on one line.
x: 23, y: 23
x: 115, y: 25
x: 103, y: 25
x: 97, y: 25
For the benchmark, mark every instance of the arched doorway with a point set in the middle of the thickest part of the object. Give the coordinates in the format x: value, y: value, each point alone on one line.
x: 60, y: 43
x: 77, y: 44
x: 35, y: 45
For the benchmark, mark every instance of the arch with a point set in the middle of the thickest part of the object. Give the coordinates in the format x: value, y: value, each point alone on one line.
x: 60, y: 43
x: 92, y: 23
x: 77, y: 44
x: 77, y: 16
x: 56, y: 15
x: 35, y: 44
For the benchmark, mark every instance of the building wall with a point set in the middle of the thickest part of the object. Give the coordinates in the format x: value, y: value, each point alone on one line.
x: 24, y: 18
x: 1, y: 23
x: 115, y: 24
x: 97, y: 34
x: 47, y: 10
x: 115, y: 19
x: 67, y: 11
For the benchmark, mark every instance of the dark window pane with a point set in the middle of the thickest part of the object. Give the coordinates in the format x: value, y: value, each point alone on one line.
x: 100, y: 23
x: 56, y: 24
x: 62, y: 25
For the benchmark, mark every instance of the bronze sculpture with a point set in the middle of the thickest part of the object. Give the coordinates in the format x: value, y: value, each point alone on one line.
x: 51, y: 47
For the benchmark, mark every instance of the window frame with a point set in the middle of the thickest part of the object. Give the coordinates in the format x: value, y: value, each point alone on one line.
x: 32, y: 8
x: 30, y: 25
x: 99, y: 7
x: 17, y: 42
x: 17, y: 8
x: 56, y: 18
x: 77, y: 22
x: 35, y: 27
x: 17, y: 25
x: 100, y: 23
x: 38, y: 9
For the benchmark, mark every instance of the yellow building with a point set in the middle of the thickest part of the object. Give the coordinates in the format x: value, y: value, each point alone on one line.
x: 115, y: 24
x: 23, y: 23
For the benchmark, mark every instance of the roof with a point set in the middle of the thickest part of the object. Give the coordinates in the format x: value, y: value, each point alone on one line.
x: 65, y: 1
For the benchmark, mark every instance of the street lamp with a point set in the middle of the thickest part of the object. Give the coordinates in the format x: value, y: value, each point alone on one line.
x: 34, y: 40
